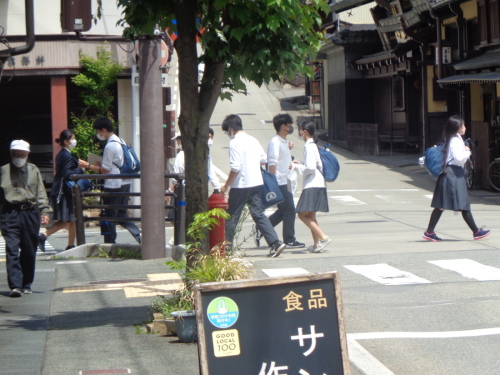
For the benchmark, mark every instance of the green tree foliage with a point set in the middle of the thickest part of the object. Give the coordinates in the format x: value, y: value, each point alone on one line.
x: 258, y: 41
x: 97, y: 75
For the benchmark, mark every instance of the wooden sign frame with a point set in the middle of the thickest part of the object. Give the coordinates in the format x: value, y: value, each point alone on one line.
x: 241, y: 285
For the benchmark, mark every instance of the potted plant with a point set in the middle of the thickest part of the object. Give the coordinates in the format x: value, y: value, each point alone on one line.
x: 200, y: 267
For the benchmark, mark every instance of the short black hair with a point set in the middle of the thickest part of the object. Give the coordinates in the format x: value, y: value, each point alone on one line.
x: 233, y: 122
x: 281, y: 119
x: 103, y: 123
x: 211, y: 131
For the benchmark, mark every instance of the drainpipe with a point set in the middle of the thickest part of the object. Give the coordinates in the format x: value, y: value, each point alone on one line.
x: 423, y: 52
x: 439, y: 37
x: 30, y: 35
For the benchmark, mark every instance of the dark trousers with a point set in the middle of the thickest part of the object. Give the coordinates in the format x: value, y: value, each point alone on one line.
x: 286, y: 214
x: 122, y: 212
x: 20, y: 231
x: 238, y: 198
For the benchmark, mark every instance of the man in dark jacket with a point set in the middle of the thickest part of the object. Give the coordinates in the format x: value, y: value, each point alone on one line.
x: 23, y: 206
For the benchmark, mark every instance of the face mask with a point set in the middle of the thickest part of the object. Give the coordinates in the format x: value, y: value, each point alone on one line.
x: 290, y: 129
x: 19, y: 162
x: 100, y: 137
x: 72, y: 144
x: 210, y: 143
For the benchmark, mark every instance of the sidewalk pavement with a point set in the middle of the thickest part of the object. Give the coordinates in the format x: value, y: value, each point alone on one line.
x: 82, y: 317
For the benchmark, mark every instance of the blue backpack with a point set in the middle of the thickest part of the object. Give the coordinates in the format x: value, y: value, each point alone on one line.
x: 331, y: 167
x: 434, y: 159
x: 131, y: 163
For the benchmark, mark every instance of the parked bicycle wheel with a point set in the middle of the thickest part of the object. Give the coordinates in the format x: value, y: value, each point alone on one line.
x: 469, y: 174
x: 494, y: 174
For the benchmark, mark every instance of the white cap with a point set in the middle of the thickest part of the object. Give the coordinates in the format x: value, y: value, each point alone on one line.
x: 20, y: 145
x: 177, y: 135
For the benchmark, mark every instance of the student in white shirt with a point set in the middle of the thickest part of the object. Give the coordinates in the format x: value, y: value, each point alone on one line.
x: 212, y: 176
x: 245, y: 179
x: 111, y: 159
x: 313, y: 198
x: 450, y: 192
x: 279, y: 160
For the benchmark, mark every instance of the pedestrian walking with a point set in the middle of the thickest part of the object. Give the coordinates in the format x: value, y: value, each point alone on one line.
x: 450, y: 192
x: 313, y: 198
x: 61, y: 196
x: 279, y: 159
x: 23, y: 206
x: 212, y: 176
x: 245, y: 179
x: 111, y: 160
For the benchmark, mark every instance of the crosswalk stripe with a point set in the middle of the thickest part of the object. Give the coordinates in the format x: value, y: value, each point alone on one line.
x: 387, y: 275
x: 428, y: 196
x: 348, y: 200
x: 48, y: 247
x: 390, y: 199
x: 274, y: 272
x: 469, y: 268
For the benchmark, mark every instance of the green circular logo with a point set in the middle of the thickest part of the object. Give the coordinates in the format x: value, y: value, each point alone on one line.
x: 223, y: 312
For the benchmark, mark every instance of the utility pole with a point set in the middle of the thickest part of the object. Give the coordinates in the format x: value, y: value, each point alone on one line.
x: 152, y: 161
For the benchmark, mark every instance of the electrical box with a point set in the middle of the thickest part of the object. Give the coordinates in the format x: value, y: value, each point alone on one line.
x: 76, y: 15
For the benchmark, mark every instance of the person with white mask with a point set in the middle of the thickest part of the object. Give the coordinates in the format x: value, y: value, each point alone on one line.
x: 61, y: 196
x: 23, y: 207
x: 112, y: 159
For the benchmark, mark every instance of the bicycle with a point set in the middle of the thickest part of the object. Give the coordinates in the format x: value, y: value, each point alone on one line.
x: 469, y: 164
x: 494, y: 174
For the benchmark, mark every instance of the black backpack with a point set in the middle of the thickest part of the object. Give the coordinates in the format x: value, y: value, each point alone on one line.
x: 131, y: 163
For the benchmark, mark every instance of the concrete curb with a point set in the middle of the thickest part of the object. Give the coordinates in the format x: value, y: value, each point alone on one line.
x: 111, y: 249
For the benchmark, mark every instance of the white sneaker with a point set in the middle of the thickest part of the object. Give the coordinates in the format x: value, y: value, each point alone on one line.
x: 322, y: 244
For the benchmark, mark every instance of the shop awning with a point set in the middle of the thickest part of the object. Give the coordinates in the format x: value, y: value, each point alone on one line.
x: 343, y: 5
x: 470, y: 78
x: 490, y: 59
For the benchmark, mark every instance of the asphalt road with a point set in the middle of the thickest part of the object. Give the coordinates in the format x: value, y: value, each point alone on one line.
x: 414, y: 307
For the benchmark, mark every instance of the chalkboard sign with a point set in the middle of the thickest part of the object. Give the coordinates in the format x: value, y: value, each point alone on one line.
x: 287, y: 325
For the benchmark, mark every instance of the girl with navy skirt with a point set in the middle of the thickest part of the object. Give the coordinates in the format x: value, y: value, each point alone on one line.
x: 450, y: 192
x: 61, y: 197
x: 314, y: 197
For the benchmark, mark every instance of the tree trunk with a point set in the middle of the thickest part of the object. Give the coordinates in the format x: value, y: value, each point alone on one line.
x: 196, y: 109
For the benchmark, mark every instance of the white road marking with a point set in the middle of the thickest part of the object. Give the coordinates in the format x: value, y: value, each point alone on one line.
x: 49, y: 249
x: 390, y: 199
x: 469, y: 268
x: 348, y: 200
x: 363, y: 190
x: 220, y: 173
x: 387, y: 275
x: 72, y: 262
x: 424, y: 335
x: 428, y: 196
x: 274, y: 272
x: 364, y: 361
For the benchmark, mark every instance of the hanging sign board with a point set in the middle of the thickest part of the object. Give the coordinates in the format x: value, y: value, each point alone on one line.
x: 287, y: 325
x: 164, y: 80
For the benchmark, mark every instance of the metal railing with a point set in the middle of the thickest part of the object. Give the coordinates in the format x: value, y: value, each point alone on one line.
x: 179, y: 208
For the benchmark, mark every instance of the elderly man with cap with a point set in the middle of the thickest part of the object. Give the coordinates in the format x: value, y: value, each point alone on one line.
x: 23, y: 206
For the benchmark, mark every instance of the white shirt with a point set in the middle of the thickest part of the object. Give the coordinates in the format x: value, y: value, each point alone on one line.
x: 278, y: 154
x: 212, y: 176
x: 457, y: 154
x: 179, y: 163
x: 113, y: 154
x: 245, y: 157
x: 311, y: 167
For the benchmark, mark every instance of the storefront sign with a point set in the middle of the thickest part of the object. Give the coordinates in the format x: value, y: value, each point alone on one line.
x: 288, y: 325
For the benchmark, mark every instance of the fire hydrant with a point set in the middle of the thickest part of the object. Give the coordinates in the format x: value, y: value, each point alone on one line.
x: 217, y: 234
